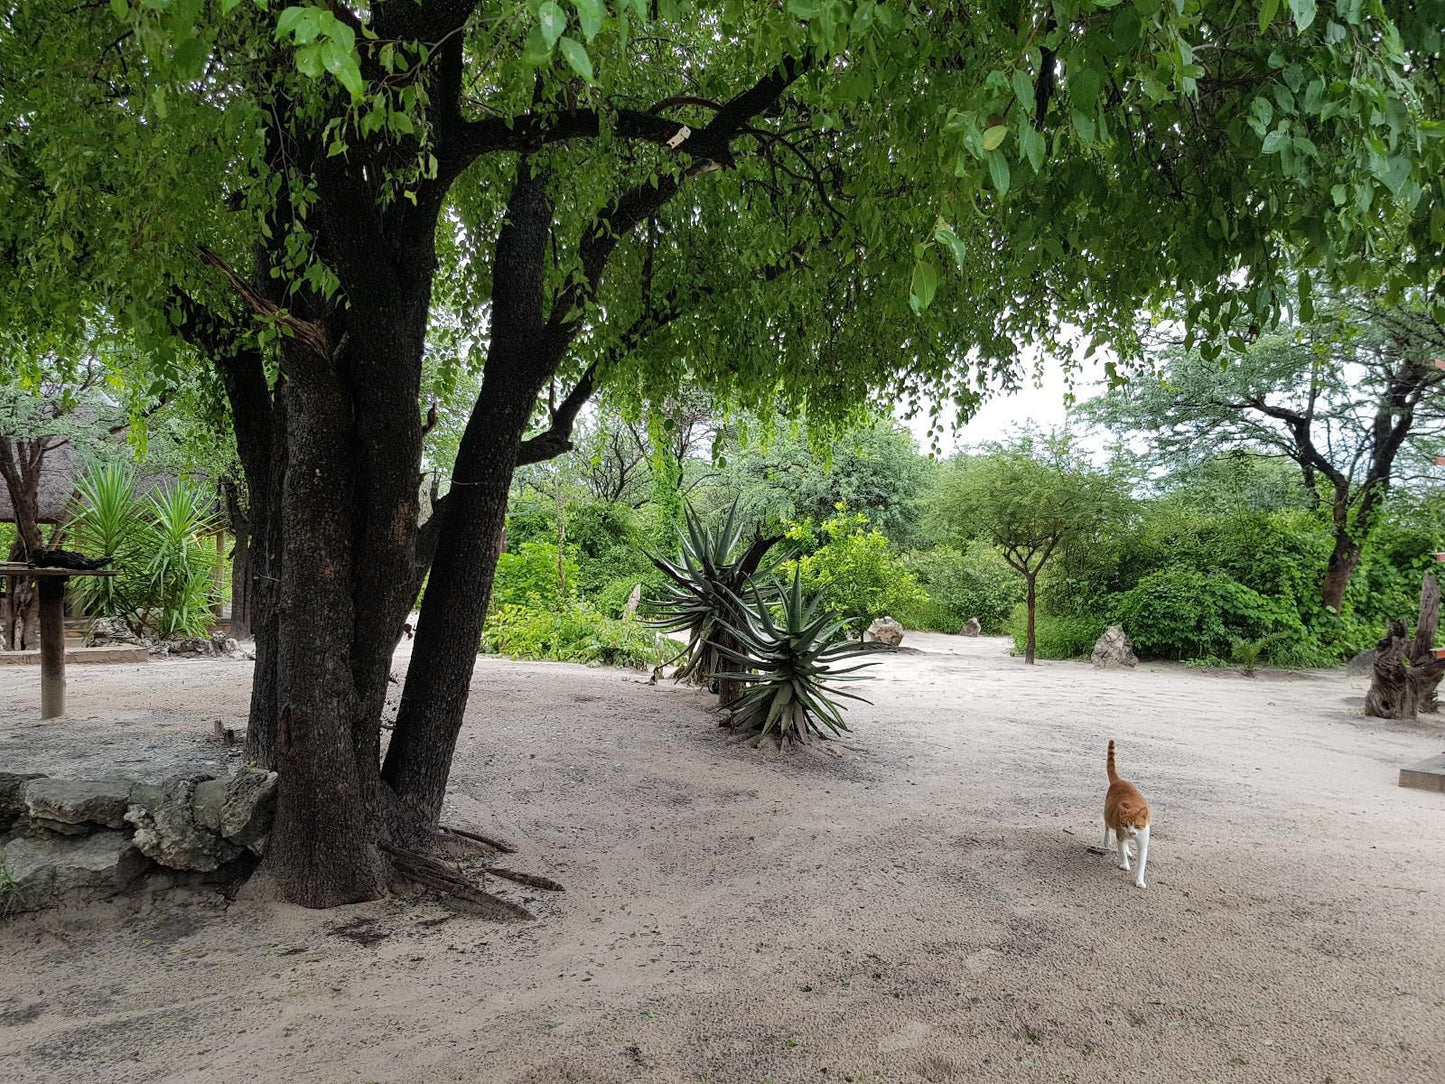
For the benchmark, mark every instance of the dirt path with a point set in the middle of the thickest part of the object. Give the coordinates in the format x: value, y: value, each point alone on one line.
x: 918, y: 903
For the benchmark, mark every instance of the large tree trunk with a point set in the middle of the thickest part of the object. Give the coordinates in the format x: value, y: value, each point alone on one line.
x: 1406, y: 675
x: 21, y: 462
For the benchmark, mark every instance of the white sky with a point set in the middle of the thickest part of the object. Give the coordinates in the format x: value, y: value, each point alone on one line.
x: 1040, y: 403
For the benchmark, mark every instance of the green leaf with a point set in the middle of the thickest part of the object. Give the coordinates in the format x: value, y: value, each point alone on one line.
x: 577, y: 58
x: 1084, y: 125
x: 923, y: 286
x: 1304, y: 13
x: 1267, y: 12
x: 1023, y: 88
x: 944, y: 234
x: 1084, y: 87
x: 1031, y: 142
x: 993, y: 137
x: 999, y: 171
x: 1275, y: 140
x: 590, y: 14
x: 552, y: 20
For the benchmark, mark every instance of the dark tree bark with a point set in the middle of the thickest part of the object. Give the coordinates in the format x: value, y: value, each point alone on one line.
x: 332, y: 453
x: 1406, y: 673
x: 21, y: 463
x: 239, y: 519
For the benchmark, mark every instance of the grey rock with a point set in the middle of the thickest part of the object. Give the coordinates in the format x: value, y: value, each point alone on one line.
x: 193, y: 645
x: 41, y: 825
x: 885, y: 631
x: 1363, y: 663
x: 158, y: 649
x: 1114, y: 649
x: 110, y: 630
x: 12, y: 794
x: 78, y: 801
x: 206, y: 802
x: 169, y: 834
x: 51, y: 870
x: 972, y: 628
x: 249, y: 806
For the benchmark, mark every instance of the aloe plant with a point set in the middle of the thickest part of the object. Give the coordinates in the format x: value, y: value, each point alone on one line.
x: 789, y: 665
x: 702, y: 597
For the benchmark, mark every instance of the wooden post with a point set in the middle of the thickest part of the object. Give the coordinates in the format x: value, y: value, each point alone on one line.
x: 12, y: 612
x: 52, y: 645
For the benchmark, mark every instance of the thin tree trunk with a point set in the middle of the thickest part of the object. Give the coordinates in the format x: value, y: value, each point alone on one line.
x: 1344, y: 559
x: 1031, y: 578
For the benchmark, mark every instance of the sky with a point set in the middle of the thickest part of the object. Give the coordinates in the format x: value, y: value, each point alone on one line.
x: 1041, y: 404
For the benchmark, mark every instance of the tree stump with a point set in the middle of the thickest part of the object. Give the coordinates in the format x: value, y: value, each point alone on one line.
x: 1406, y: 673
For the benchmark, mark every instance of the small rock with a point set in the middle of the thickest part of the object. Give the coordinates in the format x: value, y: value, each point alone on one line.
x: 95, y: 866
x: 110, y: 630
x: 12, y: 795
x: 885, y: 631
x: 192, y: 645
x: 972, y: 628
x: 78, y: 801
x: 1114, y: 649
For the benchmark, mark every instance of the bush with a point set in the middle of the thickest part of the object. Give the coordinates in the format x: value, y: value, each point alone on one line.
x: 578, y: 633
x: 1056, y: 636
x: 976, y: 583
x: 166, y: 585
x: 855, y: 570
x: 1181, y: 613
x: 527, y: 576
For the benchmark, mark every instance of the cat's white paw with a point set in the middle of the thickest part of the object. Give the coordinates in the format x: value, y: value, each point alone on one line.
x: 1139, y: 883
x: 1124, y: 866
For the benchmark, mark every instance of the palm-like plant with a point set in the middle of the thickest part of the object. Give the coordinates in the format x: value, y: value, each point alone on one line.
x: 789, y: 666
x: 702, y: 595
x: 108, y: 523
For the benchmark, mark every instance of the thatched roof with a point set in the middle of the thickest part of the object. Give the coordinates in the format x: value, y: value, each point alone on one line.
x: 57, y: 483
x: 58, y: 475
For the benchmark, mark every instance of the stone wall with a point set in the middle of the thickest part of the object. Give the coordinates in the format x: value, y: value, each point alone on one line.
x: 76, y: 841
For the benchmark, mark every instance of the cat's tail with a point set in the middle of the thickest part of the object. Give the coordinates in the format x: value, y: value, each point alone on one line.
x: 1113, y: 773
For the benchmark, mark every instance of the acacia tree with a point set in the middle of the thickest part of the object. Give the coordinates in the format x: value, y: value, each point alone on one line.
x: 811, y: 202
x: 1028, y: 497
x: 1349, y: 397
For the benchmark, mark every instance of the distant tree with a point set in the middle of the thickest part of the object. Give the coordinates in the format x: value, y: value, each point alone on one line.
x: 1028, y: 497
x: 1349, y: 397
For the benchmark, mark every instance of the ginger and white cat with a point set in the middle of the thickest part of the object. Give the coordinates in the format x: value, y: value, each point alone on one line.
x: 1126, y: 814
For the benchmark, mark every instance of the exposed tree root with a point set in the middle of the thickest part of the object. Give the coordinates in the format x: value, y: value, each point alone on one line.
x: 533, y: 879
x: 450, y: 881
x: 495, y: 844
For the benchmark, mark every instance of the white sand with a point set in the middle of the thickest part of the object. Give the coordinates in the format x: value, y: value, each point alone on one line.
x: 922, y: 907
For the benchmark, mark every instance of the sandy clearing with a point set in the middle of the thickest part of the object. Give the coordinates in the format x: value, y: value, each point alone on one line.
x: 918, y: 903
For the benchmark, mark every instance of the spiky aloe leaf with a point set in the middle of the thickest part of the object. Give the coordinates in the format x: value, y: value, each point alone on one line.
x: 789, y: 665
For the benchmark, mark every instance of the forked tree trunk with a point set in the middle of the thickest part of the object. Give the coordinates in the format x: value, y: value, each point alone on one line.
x: 1406, y: 674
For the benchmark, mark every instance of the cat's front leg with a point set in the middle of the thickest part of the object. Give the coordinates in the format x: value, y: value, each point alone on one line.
x: 1123, y: 849
x: 1143, y: 857
x: 1107, y: 830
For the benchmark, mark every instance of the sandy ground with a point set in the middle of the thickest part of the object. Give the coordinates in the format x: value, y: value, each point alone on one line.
x: 918, y: 903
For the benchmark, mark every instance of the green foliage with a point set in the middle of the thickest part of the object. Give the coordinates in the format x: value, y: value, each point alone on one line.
x: 1056, y: 636
x: 790, y: 666
x: 976, y: 582
x: 166, y: 587
x: 528, y: 575
x: 1247, y: 653
x: 1180, y: 612
x: 578, y: 633
x: 854, y: 570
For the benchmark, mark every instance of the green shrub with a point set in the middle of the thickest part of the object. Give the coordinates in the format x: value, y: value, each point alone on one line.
x: 527, y: 575
x: 855, y: 571
x: 1056, y: 636
x: 1180, y: 613
x: 960, y: 585
x: 578, y: 633
x: 166, y: 585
